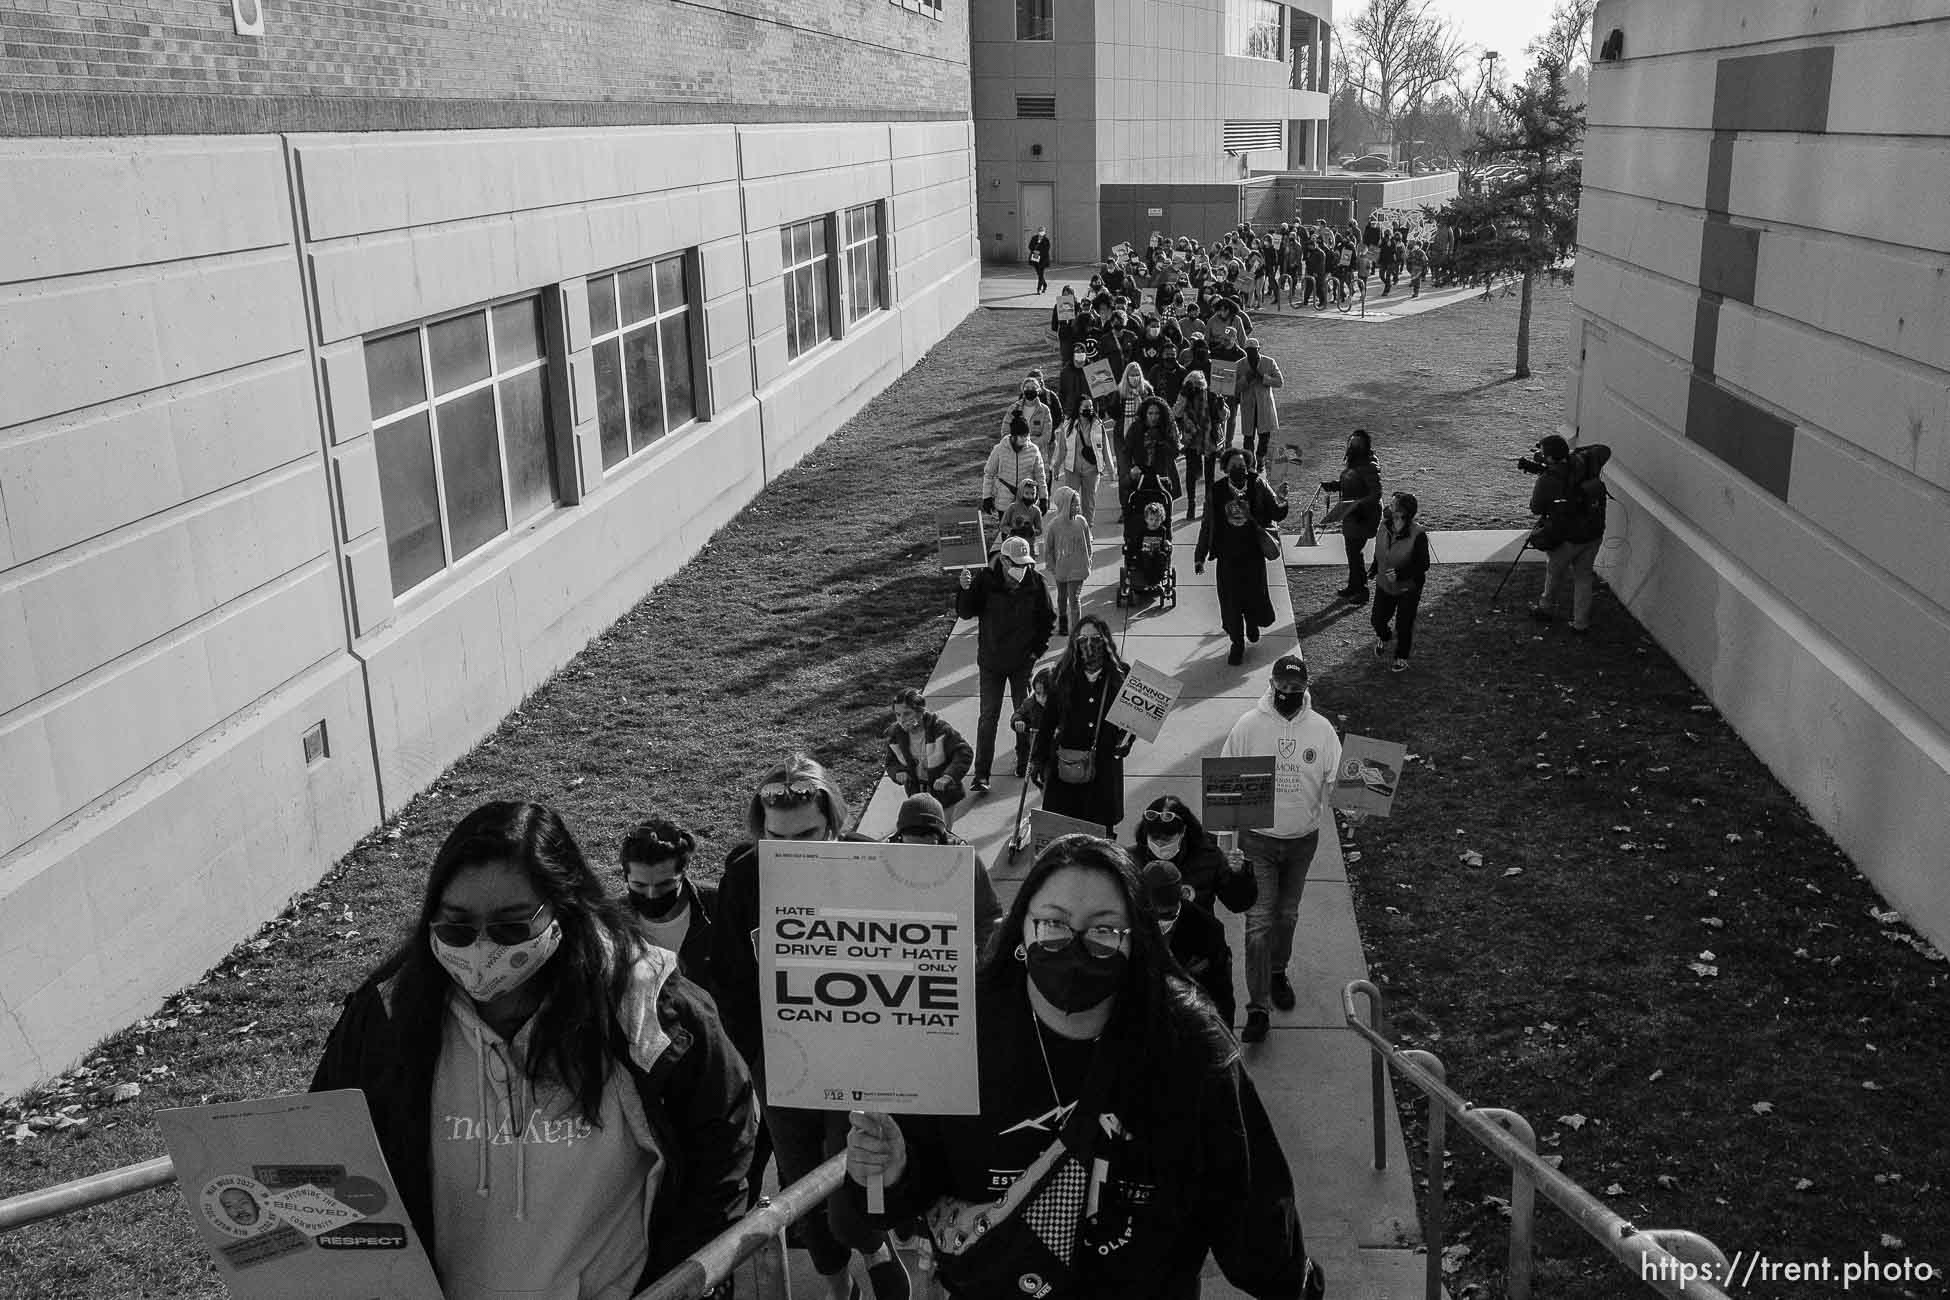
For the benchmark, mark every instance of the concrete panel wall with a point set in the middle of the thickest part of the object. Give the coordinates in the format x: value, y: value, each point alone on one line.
x: 193, y: 568
x: 1768, y: 351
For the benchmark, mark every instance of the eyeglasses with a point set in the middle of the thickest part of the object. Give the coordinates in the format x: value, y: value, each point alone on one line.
x: 1103, y: 941
x: 1092, y: 639
x: 1162, y: 819
x: 791, y: 793
x: 461, y: 934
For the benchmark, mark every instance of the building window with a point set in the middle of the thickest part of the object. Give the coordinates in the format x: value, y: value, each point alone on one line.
x: 640, y: 333
x: 864, y: 287
x: 805, y: 269
x: 461, y: 428
x: 1256, y: 29
x: 1035, y: 20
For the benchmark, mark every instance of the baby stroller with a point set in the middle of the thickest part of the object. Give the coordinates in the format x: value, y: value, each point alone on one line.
x: 1147, y: 573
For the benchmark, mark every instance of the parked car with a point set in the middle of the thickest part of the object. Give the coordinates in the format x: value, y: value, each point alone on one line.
x: 1373, y: 162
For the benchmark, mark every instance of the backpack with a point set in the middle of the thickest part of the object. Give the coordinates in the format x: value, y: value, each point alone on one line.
x: 1579, y: 516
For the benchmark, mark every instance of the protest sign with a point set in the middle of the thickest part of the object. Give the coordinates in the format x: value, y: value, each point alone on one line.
x: 866, y: 963
x: 294, y: 1201
x: 1225, y: 377
x: 1187, y: 295
x: 960, y: 538
x: 1047, y: 826
x: 1102, y: 382
x: 1237, y: 793
x: 1066, y: 308
x: 1143, y: 701
x: 1369, y: 774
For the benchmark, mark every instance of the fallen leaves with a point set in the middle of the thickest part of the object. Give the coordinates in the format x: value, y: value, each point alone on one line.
x: 1470, y: 858
x: 1762, y: 1108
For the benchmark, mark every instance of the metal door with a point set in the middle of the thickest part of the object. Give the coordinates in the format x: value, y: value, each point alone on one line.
x: 1038, y: 208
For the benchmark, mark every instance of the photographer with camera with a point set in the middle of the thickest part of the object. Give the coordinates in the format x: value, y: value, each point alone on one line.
x: 1570, y: 501
x: 1359, y: 486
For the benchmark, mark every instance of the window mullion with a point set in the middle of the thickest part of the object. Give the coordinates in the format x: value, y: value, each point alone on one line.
x: 433, y: 441
x: 500, y: 430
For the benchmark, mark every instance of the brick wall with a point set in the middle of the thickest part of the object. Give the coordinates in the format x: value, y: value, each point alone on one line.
x: 89, y: 67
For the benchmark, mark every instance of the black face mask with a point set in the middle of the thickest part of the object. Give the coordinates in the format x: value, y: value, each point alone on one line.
x: 1072, y: 979
x: 658, y: 907
x: 1238, y: 475
x: 1289, y: 702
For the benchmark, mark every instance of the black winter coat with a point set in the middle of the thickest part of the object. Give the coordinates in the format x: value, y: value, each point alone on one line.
x: 1071, y: 722
x: 1198, y: 941
x: 1016, y: 622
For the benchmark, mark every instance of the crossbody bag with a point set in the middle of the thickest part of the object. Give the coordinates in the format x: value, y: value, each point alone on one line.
x: 1079, y: 766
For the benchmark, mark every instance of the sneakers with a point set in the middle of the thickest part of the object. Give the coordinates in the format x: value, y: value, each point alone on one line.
x: 1357, y: 596
x: 1252, y: 632
x: 1283, y: 992
x: 1381, y: 647
x: 980, y: 785
x: 1401, y: 666
x: 1257, y: 1023
x: 1238, y: 655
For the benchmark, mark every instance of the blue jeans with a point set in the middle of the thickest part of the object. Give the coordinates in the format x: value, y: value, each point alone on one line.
x: 992, y: 684
x: 1280, y: 870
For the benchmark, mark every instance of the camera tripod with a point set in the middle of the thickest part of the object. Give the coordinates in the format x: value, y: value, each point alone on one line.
x: 1498, y: 593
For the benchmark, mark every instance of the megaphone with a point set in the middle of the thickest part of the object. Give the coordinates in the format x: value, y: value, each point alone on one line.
x: 1307, y: 528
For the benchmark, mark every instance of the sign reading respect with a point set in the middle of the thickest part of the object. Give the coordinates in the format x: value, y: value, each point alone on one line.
x: 866, y: 958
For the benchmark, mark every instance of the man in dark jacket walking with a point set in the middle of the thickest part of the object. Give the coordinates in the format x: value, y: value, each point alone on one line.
x: 1039, y: 256
x: 1016, y: 617
x: 673, y: 908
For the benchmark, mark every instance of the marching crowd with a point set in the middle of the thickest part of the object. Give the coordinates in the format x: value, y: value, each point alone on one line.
x: 566, y: 1068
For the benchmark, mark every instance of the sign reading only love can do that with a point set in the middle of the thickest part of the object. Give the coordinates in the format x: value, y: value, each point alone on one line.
x: 1144, y: 701
x: 866, y: 965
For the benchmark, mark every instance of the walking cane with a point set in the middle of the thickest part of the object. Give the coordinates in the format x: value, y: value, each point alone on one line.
x: 1512, y: 569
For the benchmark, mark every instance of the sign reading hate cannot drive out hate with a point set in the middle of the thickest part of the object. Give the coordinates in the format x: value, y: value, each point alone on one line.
x: 866, y: 964
x: 294, y: 1201
x: 1143, y: 701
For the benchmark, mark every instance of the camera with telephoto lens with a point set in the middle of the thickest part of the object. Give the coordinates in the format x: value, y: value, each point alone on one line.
x: 1533, y: 463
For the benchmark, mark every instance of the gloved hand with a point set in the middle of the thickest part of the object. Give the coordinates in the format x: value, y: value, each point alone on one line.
x: 988, y: 505
x: 1198, y: 566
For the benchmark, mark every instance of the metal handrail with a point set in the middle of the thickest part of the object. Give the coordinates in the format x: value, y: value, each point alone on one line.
x: 96, y: 1189
x: 1674, y: 1262
x: 759, y: 1235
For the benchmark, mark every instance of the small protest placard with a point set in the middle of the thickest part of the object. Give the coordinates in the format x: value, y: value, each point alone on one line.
x: 1236, y: 793
x: 1047, y: 826
x: 1143, y: 701
x: 1066, y: 308
x: 866, y: 964
x: 294, y: 1201
x: 1102, y: 382
x: 1225, y: 377
x: 1187, y: 295
x: 961, y: 539
x: 1370, y: 773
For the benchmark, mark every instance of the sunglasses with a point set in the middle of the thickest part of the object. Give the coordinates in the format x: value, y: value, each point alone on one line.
x: 461, y: 934
x: 790, y: 794
x: 1161, y: 819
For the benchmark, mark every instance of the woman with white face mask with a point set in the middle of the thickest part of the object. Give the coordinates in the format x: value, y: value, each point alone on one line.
x: 558, y: 1105
x: 1168, y: 831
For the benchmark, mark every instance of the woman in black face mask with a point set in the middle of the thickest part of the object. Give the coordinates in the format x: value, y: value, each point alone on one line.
x: 1115, y: 1110
x: 1242, y: 511
x: 1078, y: 757
x: 674, y: 911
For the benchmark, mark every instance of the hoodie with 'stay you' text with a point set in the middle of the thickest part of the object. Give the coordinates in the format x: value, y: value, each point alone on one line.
x: 1305, y: 751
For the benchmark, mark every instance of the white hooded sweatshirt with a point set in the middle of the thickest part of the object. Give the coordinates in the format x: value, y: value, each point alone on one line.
x: 531, y: 1201
x: 1306, y: 753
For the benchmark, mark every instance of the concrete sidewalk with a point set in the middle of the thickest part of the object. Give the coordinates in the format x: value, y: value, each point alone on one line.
x: 1312, y: 1071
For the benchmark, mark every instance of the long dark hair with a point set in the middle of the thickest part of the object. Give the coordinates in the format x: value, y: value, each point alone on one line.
x: 1070, y: 667
x: 1143, y: 1031
x: 1365, y: 456
x: 575, y: 1037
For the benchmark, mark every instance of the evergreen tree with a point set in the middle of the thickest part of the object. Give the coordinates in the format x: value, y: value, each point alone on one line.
x: 1527, y: 221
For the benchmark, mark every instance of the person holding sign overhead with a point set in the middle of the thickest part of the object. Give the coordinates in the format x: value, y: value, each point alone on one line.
x: 1306, y: 753
x: 1120, y: 1140
x: 1078, y: 759
x: 560, y: 1109
x: 797, y: 800
x: 1242, y: 515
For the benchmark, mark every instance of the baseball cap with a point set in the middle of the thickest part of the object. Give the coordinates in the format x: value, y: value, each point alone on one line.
x: 922, y: 812
x: 1291, y: 665
x: 1252, y: 343
x: 1016, y: 551
x: 1160, y: 885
